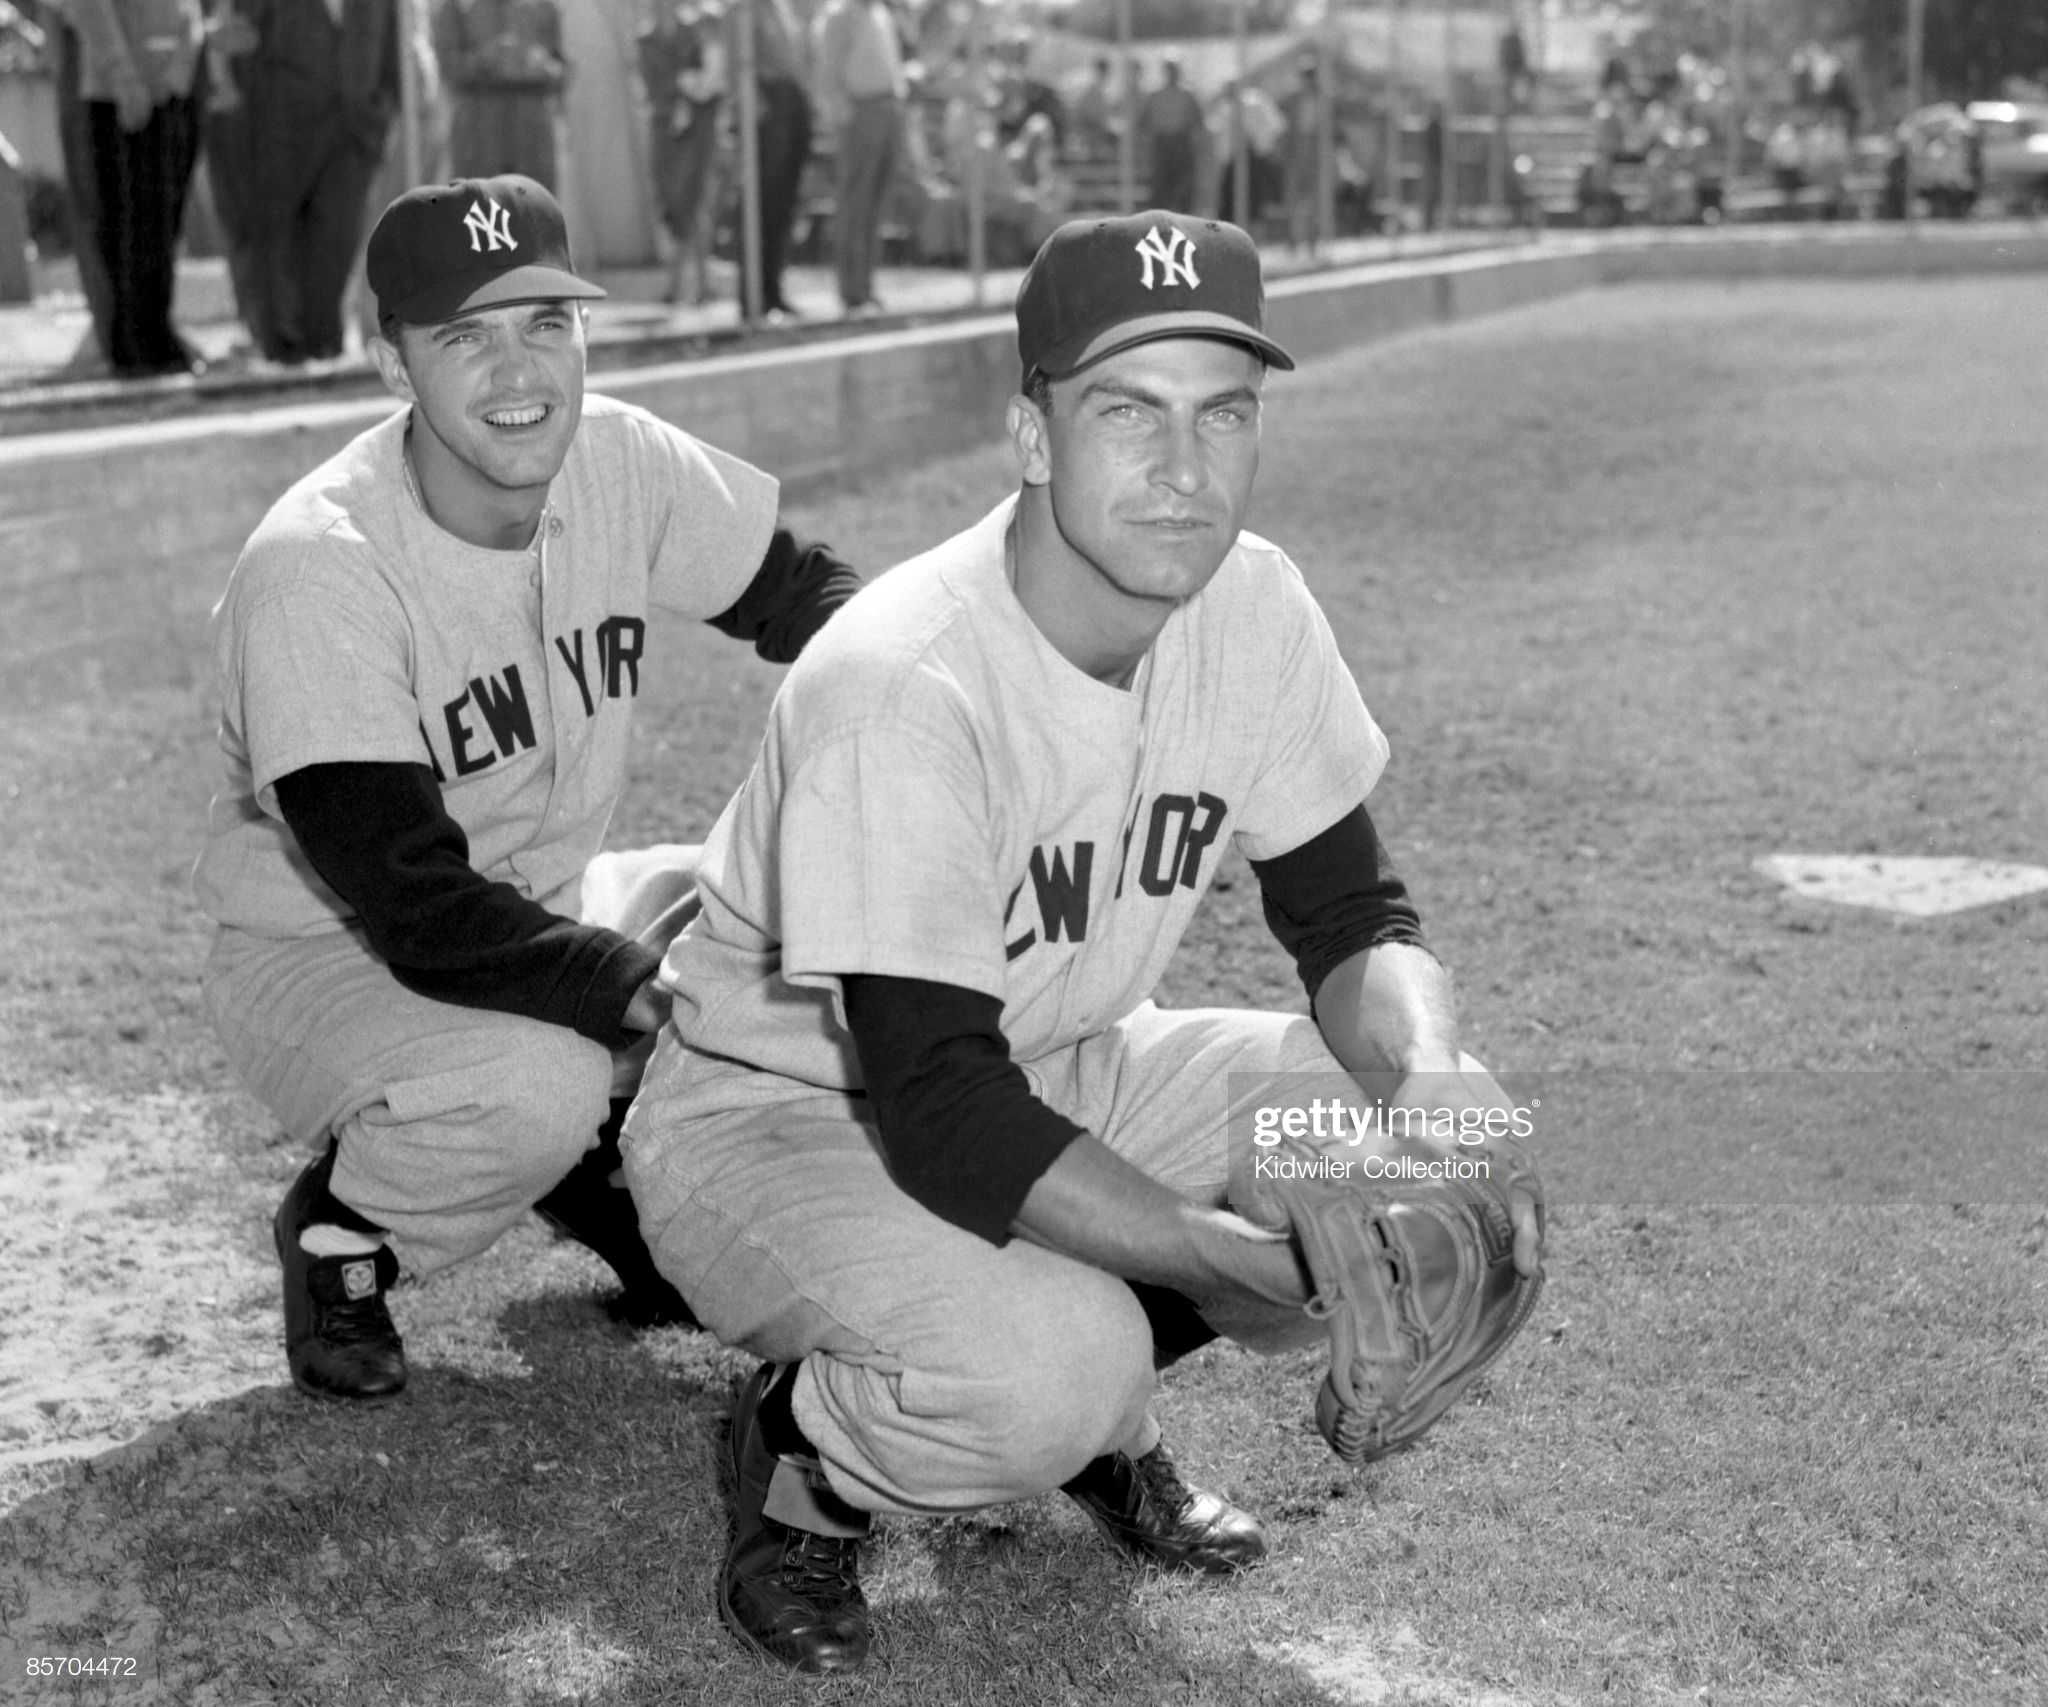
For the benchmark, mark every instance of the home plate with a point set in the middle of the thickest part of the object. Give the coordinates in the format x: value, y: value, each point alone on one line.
x: 1920, y: 888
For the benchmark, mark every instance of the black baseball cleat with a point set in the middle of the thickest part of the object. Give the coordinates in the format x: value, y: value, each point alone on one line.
x: 338, y: 1336
x: 1147, y: 1511
x: 790, y: 1594
x: 588, y: 1208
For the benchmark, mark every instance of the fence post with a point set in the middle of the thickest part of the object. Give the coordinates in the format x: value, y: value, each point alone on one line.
x: 15, y: 283
x: 749, y: 100
x: 1127, y: 140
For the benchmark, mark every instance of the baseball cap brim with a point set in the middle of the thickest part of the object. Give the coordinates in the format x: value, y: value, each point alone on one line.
x: 499, y: 290
x: 1182, y: 323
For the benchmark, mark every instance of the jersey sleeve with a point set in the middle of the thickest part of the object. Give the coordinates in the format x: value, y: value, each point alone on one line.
x: 1323, y: 751
x: 883, y: 861
x: 311, y: 675
x: 713, y: 518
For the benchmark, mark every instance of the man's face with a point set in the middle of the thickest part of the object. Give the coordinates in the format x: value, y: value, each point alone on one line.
x: 1150, y: 457
x: 496, y: 395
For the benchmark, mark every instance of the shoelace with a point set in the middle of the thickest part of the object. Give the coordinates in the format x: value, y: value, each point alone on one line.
x: 811, y: 1561
x: 1163, y: 1486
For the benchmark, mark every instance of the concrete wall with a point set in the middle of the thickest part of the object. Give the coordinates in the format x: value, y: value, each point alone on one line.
x: 114, y: 542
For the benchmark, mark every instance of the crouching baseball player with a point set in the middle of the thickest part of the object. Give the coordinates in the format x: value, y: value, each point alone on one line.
x: 428, y: 657
x: 917, y: 1135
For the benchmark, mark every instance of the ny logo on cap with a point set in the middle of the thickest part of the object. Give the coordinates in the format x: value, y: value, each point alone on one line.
x: 493, y: 229
x: 1175, y: 254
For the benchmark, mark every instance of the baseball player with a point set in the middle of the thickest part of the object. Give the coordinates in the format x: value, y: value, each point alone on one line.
x: 428, y: 657
x: 917, y: 1135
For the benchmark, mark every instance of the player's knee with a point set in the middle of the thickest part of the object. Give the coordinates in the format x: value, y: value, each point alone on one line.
x: 1074, y: 1386
x: 554, y: 1094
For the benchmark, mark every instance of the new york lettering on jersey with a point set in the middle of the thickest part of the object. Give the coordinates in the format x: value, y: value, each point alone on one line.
x: 1180, y: 829
x: 491, y: 718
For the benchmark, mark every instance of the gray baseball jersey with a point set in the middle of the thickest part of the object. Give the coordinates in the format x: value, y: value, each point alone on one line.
x: 354, y: 628
x: 941, y: 795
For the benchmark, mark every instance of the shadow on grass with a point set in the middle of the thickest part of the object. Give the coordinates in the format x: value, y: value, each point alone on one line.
x: 546, y: 1536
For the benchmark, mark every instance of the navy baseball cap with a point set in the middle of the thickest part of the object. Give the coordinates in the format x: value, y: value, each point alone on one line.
x: 1098, y: 286
x: 448, y: 249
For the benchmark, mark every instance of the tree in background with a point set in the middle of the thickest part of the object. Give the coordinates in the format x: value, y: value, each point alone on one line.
x: 1973, y: 47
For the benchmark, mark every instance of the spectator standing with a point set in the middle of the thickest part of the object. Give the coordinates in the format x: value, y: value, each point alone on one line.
x: 293, y: 158
x: 782, y: 136
x: 1434, y: 163
x: 1096, y: 112
x: 1516, y: 79
x: 1170, y: 132
x: 684, y: 65
x: 1303, y: 171
x: 1265, y: 136
x: 860, y: 88
x: 132, y: 137
x: 502, y: 60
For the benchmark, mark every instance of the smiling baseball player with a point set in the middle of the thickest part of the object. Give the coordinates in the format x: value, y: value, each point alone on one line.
x: 917, y: 1135
x: 428, y: 658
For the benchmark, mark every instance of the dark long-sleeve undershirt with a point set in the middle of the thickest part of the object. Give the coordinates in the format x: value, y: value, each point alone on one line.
x: 1334, y: 895
x: 792, y: 594
x: 380, y: 836
x: 961, y: 1129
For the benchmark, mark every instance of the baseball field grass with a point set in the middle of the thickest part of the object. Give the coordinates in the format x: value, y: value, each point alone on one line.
x: 1644, y: 585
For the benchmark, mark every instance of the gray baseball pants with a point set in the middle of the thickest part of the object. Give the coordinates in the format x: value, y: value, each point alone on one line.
x: 940, y: 1372
x: 451, y: 1122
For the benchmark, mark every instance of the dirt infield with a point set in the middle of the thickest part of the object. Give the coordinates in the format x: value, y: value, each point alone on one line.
x: 1644, y: 585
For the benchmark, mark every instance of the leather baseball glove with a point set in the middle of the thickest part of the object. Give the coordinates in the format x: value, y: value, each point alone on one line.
x: 1416, y: 1279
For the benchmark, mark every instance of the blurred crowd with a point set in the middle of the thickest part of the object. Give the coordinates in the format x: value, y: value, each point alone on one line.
x: 904, y: 127
x: 934, y: 124
x: 1666, y: 138
x: 1675, y: 125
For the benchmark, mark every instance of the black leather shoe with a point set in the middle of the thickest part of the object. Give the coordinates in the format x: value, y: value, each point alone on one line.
x: 588, y: 1208
x: 790, y: 1594
x: 338, y: 1335
x: 1144, y: 1508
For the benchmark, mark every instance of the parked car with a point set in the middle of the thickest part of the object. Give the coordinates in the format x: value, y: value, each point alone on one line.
x: 1947, y: 170
x: 2012, y: 140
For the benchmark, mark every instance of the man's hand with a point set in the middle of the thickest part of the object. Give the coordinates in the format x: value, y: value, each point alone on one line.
x: 1455, y: 1090
x: 1387, y: 1015
x: 133, y: 102
x: 649, y: 1008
